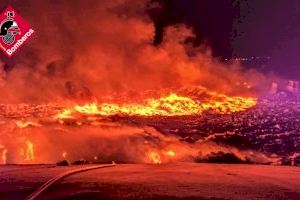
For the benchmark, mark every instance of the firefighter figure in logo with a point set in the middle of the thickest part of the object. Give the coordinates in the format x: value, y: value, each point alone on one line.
x: 9, y: 28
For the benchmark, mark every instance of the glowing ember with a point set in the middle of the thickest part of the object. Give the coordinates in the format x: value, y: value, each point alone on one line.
x: 171, y: 105
x: 25, y: 124
x: 158, y: 157
x: 154, y: 157
x: 64, y: 154
x: 171, y: 153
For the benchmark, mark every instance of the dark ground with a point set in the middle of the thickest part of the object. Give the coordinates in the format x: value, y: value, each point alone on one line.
x: 167, y: 181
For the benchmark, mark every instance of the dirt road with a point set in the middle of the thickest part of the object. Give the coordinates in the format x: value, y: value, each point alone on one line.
x: 142, y: 181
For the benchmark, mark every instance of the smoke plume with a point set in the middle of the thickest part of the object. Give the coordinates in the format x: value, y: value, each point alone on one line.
x: 82, y: 49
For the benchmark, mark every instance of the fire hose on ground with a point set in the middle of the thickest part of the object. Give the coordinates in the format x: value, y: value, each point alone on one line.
x: 46, y: 185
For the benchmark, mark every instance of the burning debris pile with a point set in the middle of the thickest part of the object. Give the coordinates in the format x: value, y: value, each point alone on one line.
x: 101, y: 134
x: 85, y: 132
x: 271, y: 126
x: 170, y: 105
x: 66, y: 102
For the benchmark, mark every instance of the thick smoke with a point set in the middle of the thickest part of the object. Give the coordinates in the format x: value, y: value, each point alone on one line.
x: 46, y: 143
x: 95, y: 48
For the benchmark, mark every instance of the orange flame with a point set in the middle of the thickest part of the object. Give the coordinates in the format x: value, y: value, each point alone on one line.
x: 171, y: 105
x: 171, y: 153
x: 160, y: 156
x: 3, y: 155
x: 65, y: 114
x: 25, y: 124
x: 64, y: 154
x: 29, y: 152
x: 154, y: 157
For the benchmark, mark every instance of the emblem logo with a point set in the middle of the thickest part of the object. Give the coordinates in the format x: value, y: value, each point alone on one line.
x: 14, y: 31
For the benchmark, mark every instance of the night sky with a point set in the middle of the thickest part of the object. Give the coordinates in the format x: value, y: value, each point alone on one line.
x: 246, y: 28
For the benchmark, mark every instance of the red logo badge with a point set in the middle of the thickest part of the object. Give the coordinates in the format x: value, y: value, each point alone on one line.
x: 14, y: 31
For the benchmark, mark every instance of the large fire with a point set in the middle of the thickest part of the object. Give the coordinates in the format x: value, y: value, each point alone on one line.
x: 170, y: 105
x: 166, y: 78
